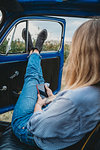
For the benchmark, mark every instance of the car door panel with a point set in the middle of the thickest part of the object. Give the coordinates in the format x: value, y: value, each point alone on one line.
x: 52, y: 63
x: 4, y: 86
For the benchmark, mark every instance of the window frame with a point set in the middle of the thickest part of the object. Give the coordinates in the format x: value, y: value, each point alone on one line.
x: 35, y: 18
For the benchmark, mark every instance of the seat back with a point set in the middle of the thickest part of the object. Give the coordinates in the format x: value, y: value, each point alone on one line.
x: 8, y: 141
x: 93, y: 140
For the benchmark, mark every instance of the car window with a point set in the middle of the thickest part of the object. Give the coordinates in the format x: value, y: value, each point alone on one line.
x: 54, y: 30
x: 14, y: 42
x: 72, y: 24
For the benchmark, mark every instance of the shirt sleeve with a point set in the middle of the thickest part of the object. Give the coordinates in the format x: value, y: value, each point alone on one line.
x: 59, y: 120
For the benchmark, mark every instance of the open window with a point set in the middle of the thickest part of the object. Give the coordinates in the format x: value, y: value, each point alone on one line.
x: 15, y: 44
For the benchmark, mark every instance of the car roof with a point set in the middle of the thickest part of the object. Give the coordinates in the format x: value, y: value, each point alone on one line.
x: 54, y: 7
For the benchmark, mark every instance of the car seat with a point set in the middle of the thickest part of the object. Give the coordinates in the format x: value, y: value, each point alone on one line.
x: 8, y: 140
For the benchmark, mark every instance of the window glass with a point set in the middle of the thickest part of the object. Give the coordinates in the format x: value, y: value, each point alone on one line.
x: 54, y: 30
x: 72, y: 23
x: 14, y: 42
x: 17, y: 42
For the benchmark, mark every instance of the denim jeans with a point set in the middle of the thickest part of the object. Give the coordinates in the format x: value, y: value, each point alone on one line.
x: 24, y: 107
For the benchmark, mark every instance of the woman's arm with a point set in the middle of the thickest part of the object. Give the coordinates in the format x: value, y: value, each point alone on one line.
x: 40, y: 103
x: 37, y: 107
x: 61, y: 114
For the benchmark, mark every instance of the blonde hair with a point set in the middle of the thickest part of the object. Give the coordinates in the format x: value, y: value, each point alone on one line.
x: 83, y: 64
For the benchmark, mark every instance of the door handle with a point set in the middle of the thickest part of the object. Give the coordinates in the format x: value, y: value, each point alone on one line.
x: 15, y: 75
x: 4, y: 88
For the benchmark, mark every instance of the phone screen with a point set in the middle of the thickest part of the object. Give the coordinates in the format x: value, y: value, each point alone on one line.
x: 42, y: 90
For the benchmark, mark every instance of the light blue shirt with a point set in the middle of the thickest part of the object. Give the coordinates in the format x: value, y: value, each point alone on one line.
x: 67, y: 119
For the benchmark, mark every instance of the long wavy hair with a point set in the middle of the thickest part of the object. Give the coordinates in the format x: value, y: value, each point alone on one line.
x: 83, y: 64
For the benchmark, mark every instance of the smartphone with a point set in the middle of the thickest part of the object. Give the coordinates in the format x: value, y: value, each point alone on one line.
x: 42, y: 90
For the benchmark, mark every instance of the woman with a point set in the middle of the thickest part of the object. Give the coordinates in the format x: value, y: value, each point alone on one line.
x: 76, y: 110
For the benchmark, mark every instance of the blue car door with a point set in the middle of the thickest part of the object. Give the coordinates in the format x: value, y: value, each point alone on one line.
x: 14, y: 56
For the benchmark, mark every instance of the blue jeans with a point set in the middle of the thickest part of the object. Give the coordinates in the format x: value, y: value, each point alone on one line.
x: 24, y: 107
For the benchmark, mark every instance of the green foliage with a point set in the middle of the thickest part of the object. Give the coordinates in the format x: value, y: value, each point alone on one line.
x: 18, y: 46
x: 51, y: 47
x: 66, y: 51
x: 3, y: 47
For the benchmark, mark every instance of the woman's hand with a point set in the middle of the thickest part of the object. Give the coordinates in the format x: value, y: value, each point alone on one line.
x: 49, y: 91
x: 40, y: 101
x: 43, y: 102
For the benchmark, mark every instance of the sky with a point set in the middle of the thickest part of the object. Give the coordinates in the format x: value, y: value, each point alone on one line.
x: 53, y: 28
x: 71, y: 25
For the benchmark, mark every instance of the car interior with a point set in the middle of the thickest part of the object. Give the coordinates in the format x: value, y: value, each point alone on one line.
x: 34, y: 16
